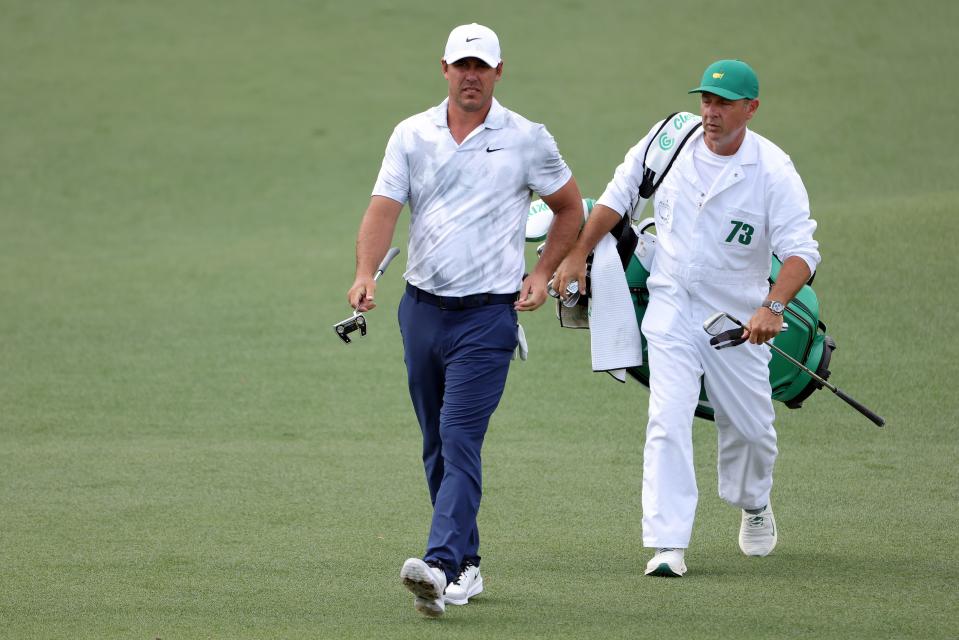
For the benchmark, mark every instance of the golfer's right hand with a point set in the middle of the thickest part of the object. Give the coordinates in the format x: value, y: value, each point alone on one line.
x: 361, y: 294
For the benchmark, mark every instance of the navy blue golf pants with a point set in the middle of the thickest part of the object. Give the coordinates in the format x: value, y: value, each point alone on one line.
x: 456, y: 362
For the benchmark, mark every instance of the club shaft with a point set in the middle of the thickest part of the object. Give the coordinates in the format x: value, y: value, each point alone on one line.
x: 799, y: 364
x: 876, y: 419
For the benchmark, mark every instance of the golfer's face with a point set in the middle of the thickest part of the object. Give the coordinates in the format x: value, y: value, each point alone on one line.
x: 471, y: 82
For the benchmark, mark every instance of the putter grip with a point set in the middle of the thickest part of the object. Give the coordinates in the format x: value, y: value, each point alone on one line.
x: 877, y: 419
x: 392, y: 253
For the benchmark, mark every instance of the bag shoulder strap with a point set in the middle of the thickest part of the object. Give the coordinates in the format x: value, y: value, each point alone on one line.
x: 651, y: 180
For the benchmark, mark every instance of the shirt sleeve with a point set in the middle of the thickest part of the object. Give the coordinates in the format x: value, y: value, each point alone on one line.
x: 622, y: 192
x: 548, y: 172
x: 791, y: 227
x: 393, y: 180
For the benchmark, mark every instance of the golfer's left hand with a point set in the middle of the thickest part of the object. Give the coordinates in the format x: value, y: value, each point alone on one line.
x: 532, y: 294
x: 763, y: 326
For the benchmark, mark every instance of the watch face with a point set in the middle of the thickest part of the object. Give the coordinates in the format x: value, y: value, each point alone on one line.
x: 776, y: 307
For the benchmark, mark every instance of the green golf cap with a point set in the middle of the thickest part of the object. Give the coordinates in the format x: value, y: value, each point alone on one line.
x: 730, y: 79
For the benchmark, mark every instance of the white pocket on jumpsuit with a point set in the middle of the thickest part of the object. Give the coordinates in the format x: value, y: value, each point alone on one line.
x: 663, y: 206
x: 739, y: 235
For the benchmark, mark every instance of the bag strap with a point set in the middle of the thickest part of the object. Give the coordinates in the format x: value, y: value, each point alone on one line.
x: 651, y: 181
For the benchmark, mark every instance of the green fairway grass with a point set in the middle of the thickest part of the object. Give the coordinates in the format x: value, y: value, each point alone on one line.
x: 187, y: 450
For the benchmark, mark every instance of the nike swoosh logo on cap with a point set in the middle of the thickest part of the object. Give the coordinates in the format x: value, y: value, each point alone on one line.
x: 471, y: 39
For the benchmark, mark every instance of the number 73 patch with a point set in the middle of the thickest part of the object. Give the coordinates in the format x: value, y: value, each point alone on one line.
x: 741, y: 232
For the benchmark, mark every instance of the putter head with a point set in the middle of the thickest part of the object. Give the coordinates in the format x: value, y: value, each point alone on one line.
x: 345, y: 327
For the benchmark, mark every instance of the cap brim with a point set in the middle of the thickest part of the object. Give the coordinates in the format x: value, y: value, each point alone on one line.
x: 456, y: 56
x: 722, y: 93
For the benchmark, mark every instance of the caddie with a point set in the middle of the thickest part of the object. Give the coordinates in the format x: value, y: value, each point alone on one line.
x: 731, y: 199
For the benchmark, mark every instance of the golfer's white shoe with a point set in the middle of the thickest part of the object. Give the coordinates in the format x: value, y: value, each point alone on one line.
x: 468, y: 584
x: 757, y: 532
x: 667, y: 563
x: 427, y: 584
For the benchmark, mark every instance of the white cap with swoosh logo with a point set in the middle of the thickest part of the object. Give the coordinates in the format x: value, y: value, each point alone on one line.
x: 472, y: 41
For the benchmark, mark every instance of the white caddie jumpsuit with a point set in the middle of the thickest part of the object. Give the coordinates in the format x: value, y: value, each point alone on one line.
x: 713, y: 254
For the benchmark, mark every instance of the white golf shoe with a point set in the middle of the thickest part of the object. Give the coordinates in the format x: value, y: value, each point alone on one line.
x: 427, y: 584
x: 667, y: 563
x: 468, y: 584
x: 757, y: 532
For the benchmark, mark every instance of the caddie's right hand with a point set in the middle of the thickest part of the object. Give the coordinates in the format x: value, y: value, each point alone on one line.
x: 361, y: 294
x: 573, y: 267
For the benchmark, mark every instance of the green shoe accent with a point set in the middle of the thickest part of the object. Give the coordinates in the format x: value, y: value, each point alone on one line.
x: 664, y: 571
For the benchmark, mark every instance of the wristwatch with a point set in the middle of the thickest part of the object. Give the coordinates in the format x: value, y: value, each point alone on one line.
x: 775, y: 306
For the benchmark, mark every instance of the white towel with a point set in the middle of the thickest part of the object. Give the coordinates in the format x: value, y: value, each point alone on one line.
x: 614, y: 333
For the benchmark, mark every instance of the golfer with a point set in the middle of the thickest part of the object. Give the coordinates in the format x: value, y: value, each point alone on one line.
x: 731, y: 199
x: 467, y: 168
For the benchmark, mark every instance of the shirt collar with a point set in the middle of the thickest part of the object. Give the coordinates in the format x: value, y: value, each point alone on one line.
x: 749, y: 149
x: 495, y: 119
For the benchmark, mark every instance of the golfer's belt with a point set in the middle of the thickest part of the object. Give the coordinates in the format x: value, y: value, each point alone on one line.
x: 453, y: 303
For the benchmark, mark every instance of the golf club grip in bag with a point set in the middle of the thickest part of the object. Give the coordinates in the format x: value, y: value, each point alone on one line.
x: 864, y: 410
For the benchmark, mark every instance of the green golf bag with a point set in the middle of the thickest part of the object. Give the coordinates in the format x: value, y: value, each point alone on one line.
x: 805, y: 340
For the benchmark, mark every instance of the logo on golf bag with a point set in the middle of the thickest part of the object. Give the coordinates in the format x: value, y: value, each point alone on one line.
x: 682, y: 119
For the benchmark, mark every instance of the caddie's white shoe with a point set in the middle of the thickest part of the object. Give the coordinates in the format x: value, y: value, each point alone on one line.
x: 468, y: 584
x: 427, y: 584
x: 667, y: 563
x: 757, y: 532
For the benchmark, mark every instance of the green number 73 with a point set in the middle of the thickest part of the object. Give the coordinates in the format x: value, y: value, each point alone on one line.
x: 747, y: 232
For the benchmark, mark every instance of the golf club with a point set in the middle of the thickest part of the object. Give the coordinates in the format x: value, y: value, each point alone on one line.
x: 723, y: 338
x: 357, y: 321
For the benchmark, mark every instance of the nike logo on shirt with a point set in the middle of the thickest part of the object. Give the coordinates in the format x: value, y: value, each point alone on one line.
x: 488, y: 150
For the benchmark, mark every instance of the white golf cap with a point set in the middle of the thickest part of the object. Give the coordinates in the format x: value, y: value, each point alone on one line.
x: 472, y: 41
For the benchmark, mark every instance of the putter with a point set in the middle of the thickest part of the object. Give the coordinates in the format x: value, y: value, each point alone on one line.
x: 357, y: 322
x: 733, y: 337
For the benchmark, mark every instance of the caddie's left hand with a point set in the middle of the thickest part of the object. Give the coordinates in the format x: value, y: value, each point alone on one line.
x: 532, y: 294
x: 763, y: 326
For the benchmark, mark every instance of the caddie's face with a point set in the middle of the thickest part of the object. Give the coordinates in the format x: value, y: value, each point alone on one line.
x: 471, y: 82
x: 724, y: 121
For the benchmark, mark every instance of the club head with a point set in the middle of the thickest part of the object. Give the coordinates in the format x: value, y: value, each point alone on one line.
x: 726, y: 331
x: 713, y: 324
x: 726, y: 339
x: 345, y: 327
x: 572, y: 293
x: 720, y: 322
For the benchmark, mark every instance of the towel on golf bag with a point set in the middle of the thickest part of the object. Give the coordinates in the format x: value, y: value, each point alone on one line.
x: 614, y: 333
x: 575, y: 317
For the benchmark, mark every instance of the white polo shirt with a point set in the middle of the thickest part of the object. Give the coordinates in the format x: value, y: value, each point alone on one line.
x: 469, y: 202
